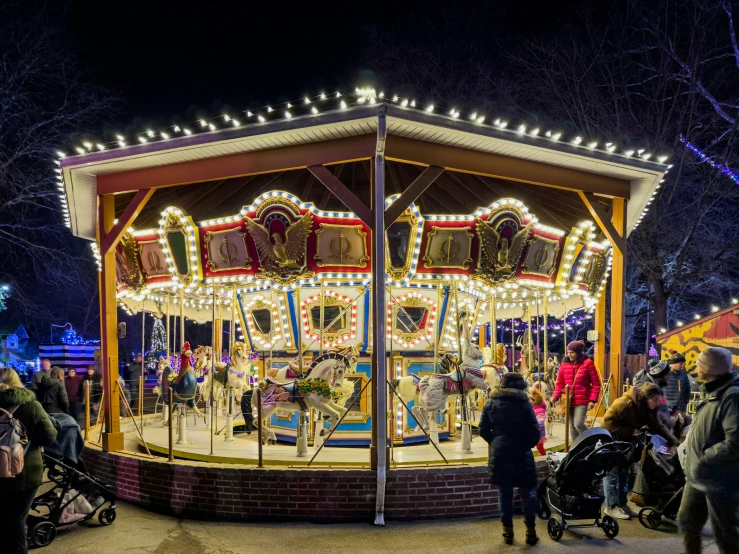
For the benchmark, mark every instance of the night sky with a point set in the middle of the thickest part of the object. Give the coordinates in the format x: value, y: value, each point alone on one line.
x: 168, y: 59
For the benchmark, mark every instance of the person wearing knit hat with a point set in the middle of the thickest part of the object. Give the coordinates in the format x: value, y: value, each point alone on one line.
x: 626, y: 416
x: 677, y: 390
x: 578, y: 371
x: 712, y: 457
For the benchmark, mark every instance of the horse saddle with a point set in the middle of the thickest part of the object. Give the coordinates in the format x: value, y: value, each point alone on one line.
x: 275, y: 392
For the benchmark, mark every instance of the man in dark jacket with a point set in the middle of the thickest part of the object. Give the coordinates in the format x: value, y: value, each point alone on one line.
x: 712, y: 457
x: 509, y: 426
x: 17, y: 493
x: 45, y: 371
x: 52, y: 394
x: 132, y: 374
x: 677, y: 390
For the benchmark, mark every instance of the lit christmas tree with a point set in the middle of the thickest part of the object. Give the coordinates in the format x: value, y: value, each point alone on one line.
x: 158, y: 337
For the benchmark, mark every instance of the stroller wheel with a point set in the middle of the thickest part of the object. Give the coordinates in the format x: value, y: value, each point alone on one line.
x: 544, y: 511
x: 43, y: 533
x: 609, y: 526
x: 650, y: 518
x: 555, y: 529
x: 107, y: 516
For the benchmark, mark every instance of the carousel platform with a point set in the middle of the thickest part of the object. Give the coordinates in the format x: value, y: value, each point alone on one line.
x: 244, y: 449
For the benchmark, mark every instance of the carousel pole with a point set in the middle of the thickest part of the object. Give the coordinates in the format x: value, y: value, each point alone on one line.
x: 140, y: 399
x: 538, y: 334
x: 513, y: 343
x: 493, y: 328
x: 182, y: 422
x: 301, y: 439
x: 466, y: 429
x: 437, y: 331
x: 546, y: 356
x: 212, y: 373
x: 231, y: 328
x: 530, y: 361
x: 322, y: 305
x: 564, y: 328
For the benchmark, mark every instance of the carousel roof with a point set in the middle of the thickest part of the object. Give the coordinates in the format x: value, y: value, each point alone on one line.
x: 325, y: 118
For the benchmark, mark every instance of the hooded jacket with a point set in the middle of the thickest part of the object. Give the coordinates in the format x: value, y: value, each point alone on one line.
x: 40, y: 432
x: 712, y: 446
x: 53, y: 396
x: 509, y: 426
x: 677, y: 390
x: 632, y: 412
x: 587, y: 387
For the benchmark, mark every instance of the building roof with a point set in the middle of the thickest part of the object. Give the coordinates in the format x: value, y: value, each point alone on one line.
x: 316, y: 120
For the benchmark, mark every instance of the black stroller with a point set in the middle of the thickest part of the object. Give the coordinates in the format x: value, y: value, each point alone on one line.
x: 572, y: 488
x: 67, y: 485
x: 658, y: 486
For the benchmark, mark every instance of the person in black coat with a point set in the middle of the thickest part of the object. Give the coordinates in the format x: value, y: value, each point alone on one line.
x: 509, y: 426
x: 52, y: 394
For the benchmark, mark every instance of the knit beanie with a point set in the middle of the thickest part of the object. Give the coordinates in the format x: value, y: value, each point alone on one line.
x: 715, y: 360
x: 576, y: 346
x: 513, y: 381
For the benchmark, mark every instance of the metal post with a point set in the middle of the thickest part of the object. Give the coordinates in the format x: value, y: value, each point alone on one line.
x: 212, y: 373
x: 538, y: 333
x: 322, y: 304
x: 493, y: 328
x: 546, y: 328
x: 230, y: 416
x: 141, y: 395
x: 564, y: 328
x: 513, y: 343
x: 168, y: 335
x: 649, y: 324
x: 260, y: 462
x: 437, y: 331
x: 567, y: 418
x: 171, y: 429
x: 87, y: 410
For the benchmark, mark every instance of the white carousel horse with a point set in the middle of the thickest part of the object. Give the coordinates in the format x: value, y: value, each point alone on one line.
x: 203, y: 358
x: 292, y: 370
x: 239, y: 371
x: 435, y: 390
x: 314, y: 391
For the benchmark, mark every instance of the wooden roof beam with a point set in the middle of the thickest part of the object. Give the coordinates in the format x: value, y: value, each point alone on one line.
x: 454, y: 158
x: 137, y: 203
x: 411, y: 194
x: 342, y: 192
x: 603, y: 220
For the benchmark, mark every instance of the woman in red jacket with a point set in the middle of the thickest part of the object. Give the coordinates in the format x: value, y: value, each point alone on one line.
x: 579, y: 372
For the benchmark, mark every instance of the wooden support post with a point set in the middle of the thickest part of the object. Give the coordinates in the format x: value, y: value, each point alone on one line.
x: 599, y: 347
x: 610, y: 229
x: 411, y: 194
x: 618, y: 275
x: 112, y: 437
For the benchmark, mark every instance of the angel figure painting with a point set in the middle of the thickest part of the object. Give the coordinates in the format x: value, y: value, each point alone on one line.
x: 281, y: 247
x: 500, y: 250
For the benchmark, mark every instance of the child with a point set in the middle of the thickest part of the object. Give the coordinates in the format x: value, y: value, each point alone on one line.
x: 540, y: 410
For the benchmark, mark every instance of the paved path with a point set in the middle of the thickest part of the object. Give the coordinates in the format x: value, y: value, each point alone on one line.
x: 137, y: 530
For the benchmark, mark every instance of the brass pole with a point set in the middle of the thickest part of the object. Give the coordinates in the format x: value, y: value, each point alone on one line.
x: 232, y: 327
x: 169, y: 337
x: 564, y: 328
x: 213, y: 407
x: 322, y: 305
x: 260, y: 461
x: 437, y: 331
x: 546, y: 329
x: 141, y: 395
x: 493, y: 327
x: 182, y: 316
x: 299, y: 337
x: 567, y: 418
x: 87, y: 409
x: 171, y: 417
x: 538, y: 334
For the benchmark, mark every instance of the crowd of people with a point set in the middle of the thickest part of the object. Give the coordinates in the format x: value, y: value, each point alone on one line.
x: 657, y: 403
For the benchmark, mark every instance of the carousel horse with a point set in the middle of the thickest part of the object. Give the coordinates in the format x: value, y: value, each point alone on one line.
x: 237, y: 373
x: 292, y: 370
x: 315, y: 390
x: 434, y: 390
x: 204, y: 368
x: 493, y: 369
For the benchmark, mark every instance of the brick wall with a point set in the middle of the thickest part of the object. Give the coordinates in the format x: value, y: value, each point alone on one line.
x: 203, y: 491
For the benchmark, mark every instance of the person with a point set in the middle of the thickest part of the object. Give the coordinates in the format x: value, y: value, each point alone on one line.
x: 509, y: 426
x: 17, y: 493
x: 132, y: 374
x: 72, y: 384
x: 626, y: 416
x: 712, y: 457
x: 96, y: 389
x: 52, y: 394
x: 677, y: 390
x: 39, y: 375
x: 657, y: 373
x: 540, y: 411
x: 578, y: 371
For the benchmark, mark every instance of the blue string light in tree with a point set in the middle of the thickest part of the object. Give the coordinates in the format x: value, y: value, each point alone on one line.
x: 723, y: 168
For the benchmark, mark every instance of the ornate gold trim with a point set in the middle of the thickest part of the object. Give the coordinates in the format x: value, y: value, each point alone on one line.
x: 338, y: 250
x: 140, y: 247
x: 533, y: 239
x: 329, y: 337
x: 465, y: 264
x: 399, y: 274
x: 128, y: 270
x: 226, y: 256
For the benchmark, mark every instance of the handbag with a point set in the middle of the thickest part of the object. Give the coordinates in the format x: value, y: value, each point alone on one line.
x: 560, y: 408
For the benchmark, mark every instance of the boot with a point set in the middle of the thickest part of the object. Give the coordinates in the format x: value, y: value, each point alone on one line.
x: 693, y: 543
x: 531, y: 538
x: 508, y: 534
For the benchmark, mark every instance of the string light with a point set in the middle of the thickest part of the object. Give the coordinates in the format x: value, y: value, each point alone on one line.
x: 723, y: 168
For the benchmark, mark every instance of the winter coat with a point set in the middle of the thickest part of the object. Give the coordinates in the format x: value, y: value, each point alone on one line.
x: 630, y: 413
x: 509, y: 426
x: 96, y: 387
x: 587, y: 388
x: 37, y: 377
x: 540, y: 411
x: 40, y: 432
x: 132, y: 372
x: 712, y: 446
x: 53, y: 396
x: 72, y: 385
x: 677, y: 390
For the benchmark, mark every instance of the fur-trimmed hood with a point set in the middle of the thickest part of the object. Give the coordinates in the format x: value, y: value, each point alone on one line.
x: 16, y: 396
x: 510, y: 393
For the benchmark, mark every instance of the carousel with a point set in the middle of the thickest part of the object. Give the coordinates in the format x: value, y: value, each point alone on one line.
x: 368, y: 267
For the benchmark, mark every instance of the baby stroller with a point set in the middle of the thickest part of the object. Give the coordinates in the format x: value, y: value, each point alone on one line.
x: 69, y: 494
x: 658, y: 486
x: 572, y: 488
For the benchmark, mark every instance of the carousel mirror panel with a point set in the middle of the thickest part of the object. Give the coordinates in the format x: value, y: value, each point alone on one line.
x: 262, y: 317
x: 339, y: 318
x: 411, y: 319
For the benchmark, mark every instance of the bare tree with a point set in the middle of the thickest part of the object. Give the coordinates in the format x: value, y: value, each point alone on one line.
x: 46, y: 96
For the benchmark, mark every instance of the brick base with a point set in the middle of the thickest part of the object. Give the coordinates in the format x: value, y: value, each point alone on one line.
x: 205, y: 491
